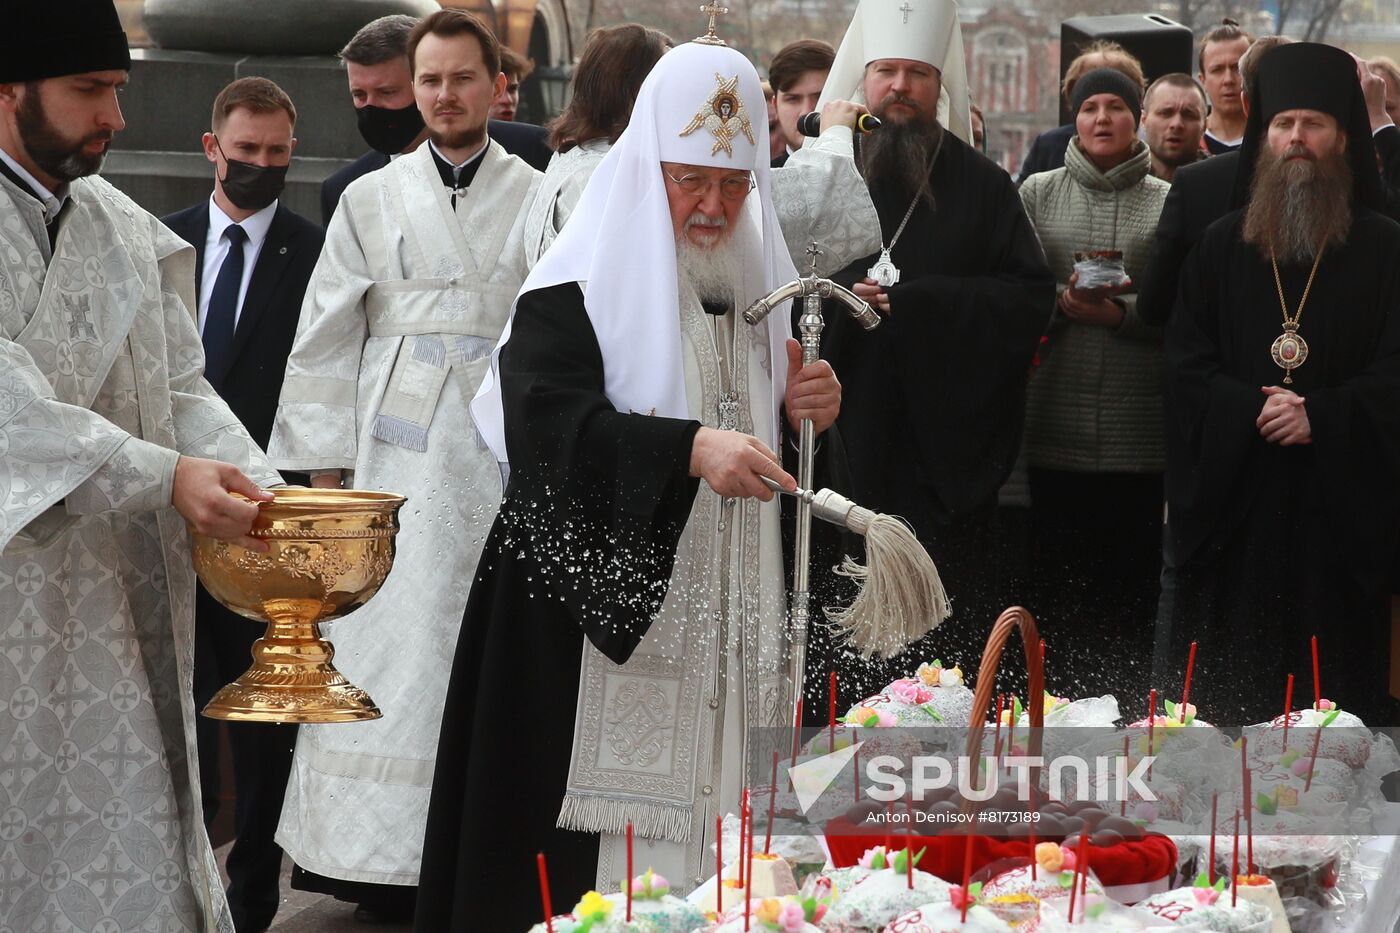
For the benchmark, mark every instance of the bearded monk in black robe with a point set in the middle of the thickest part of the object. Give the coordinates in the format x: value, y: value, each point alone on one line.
x: 934, y: 399
x: 1283, y: 463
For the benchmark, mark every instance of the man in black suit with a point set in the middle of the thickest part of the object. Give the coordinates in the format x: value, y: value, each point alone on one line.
x: 255, y: 258
x: 381, y: 87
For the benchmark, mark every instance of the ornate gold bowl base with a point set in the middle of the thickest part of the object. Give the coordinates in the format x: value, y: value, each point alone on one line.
x: 292, y: 679
x: 329, y: 552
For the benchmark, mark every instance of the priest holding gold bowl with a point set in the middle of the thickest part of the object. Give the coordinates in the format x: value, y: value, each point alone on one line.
x: 112, y: 445
x: 327, y: 553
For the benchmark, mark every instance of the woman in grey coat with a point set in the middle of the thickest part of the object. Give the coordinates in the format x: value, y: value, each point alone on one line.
x: 1093, y: 441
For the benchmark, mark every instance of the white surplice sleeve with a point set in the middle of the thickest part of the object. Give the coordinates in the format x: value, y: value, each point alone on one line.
x: 317, y: 427
x: 820, y: 196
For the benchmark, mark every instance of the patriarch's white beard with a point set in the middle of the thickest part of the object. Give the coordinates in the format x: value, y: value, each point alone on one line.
x: 715, y: 272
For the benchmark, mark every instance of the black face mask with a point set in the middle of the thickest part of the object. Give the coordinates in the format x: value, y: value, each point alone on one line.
x: 252, y: 187
x: 389, y: 131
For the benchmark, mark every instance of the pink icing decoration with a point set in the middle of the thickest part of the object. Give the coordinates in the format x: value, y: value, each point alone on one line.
x: 910, y: 692
x: 869, y: 856
x: 792, y: 919
x: 1069, y: 859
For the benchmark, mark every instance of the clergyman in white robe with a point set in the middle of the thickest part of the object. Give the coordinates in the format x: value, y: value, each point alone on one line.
x: 407, y: 300
x: 101, y: 392
x: 661, y: 740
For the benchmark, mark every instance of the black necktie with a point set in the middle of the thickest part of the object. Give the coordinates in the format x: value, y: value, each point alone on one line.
x: 223, y: 310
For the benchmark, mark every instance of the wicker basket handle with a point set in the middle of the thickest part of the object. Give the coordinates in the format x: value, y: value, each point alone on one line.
x: 1013, y: 618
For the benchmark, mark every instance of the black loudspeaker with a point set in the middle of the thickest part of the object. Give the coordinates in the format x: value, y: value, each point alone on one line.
x: 1163, y: 46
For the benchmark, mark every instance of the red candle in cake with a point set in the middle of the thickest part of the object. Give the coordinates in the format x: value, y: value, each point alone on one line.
x: 544, y: 893
x: 796, y: 738
x: 719, y: 864
x: 1235, y: 863
x: 1034, y: 810
x: 1011, y: 727
x: 967, y: 875
x: 1084, y: 887
x: 1186, y: 691
x: 1248, y: 803
x: 1287, y: 709
x: 909, y: 858
x: 1214, y: 800
x: 748, y: 873
x: 1123, y: 804
x: 772, y: 798
x: 739, y: 861
x: 1079, y: 865
x: 1312, y: 758
x: 855, y: 772
x: 833, y: 711
x: 629, y: 871
x: 996, y: 729
x: 745, y: 817
x: 1151, y: 725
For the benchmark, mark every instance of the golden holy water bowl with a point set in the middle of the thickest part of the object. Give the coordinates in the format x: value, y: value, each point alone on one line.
x: 329, y: 551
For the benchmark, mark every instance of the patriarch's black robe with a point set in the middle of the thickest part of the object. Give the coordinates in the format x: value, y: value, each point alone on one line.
x: 583, y: 545
x: 1276, y: 544
x: 933, y: 400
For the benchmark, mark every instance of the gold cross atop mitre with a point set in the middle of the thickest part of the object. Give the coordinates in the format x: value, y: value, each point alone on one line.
x: 712, y: 9
x: 723, y: 114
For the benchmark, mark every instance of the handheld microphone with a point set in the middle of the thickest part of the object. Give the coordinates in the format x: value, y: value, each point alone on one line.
x: 810, y: 124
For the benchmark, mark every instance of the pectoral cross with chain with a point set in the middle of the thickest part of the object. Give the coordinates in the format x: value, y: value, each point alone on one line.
x: 906, y: 10
x: 728, y: 421
x: 712, y: 9
x: 729, y: 411
x: 814, y: 251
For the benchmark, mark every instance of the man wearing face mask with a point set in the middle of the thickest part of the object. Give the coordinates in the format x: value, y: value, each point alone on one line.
x: 253, y: 259
x: 381, y: 87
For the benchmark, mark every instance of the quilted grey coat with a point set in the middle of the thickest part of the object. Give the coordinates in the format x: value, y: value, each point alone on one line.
x: 1095, y: 402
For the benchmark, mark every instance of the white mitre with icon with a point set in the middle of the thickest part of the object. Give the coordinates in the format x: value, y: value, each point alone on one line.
x: 701, y: 105
x: 919, y: 30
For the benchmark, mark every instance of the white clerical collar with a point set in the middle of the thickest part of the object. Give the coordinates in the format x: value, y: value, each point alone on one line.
x: 458, y: 166
x: 53, y: 201
x: 255, y: 225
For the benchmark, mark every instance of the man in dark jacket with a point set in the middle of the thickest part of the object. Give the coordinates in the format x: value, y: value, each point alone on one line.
x: 254, y: 258
x: 381, y: 87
